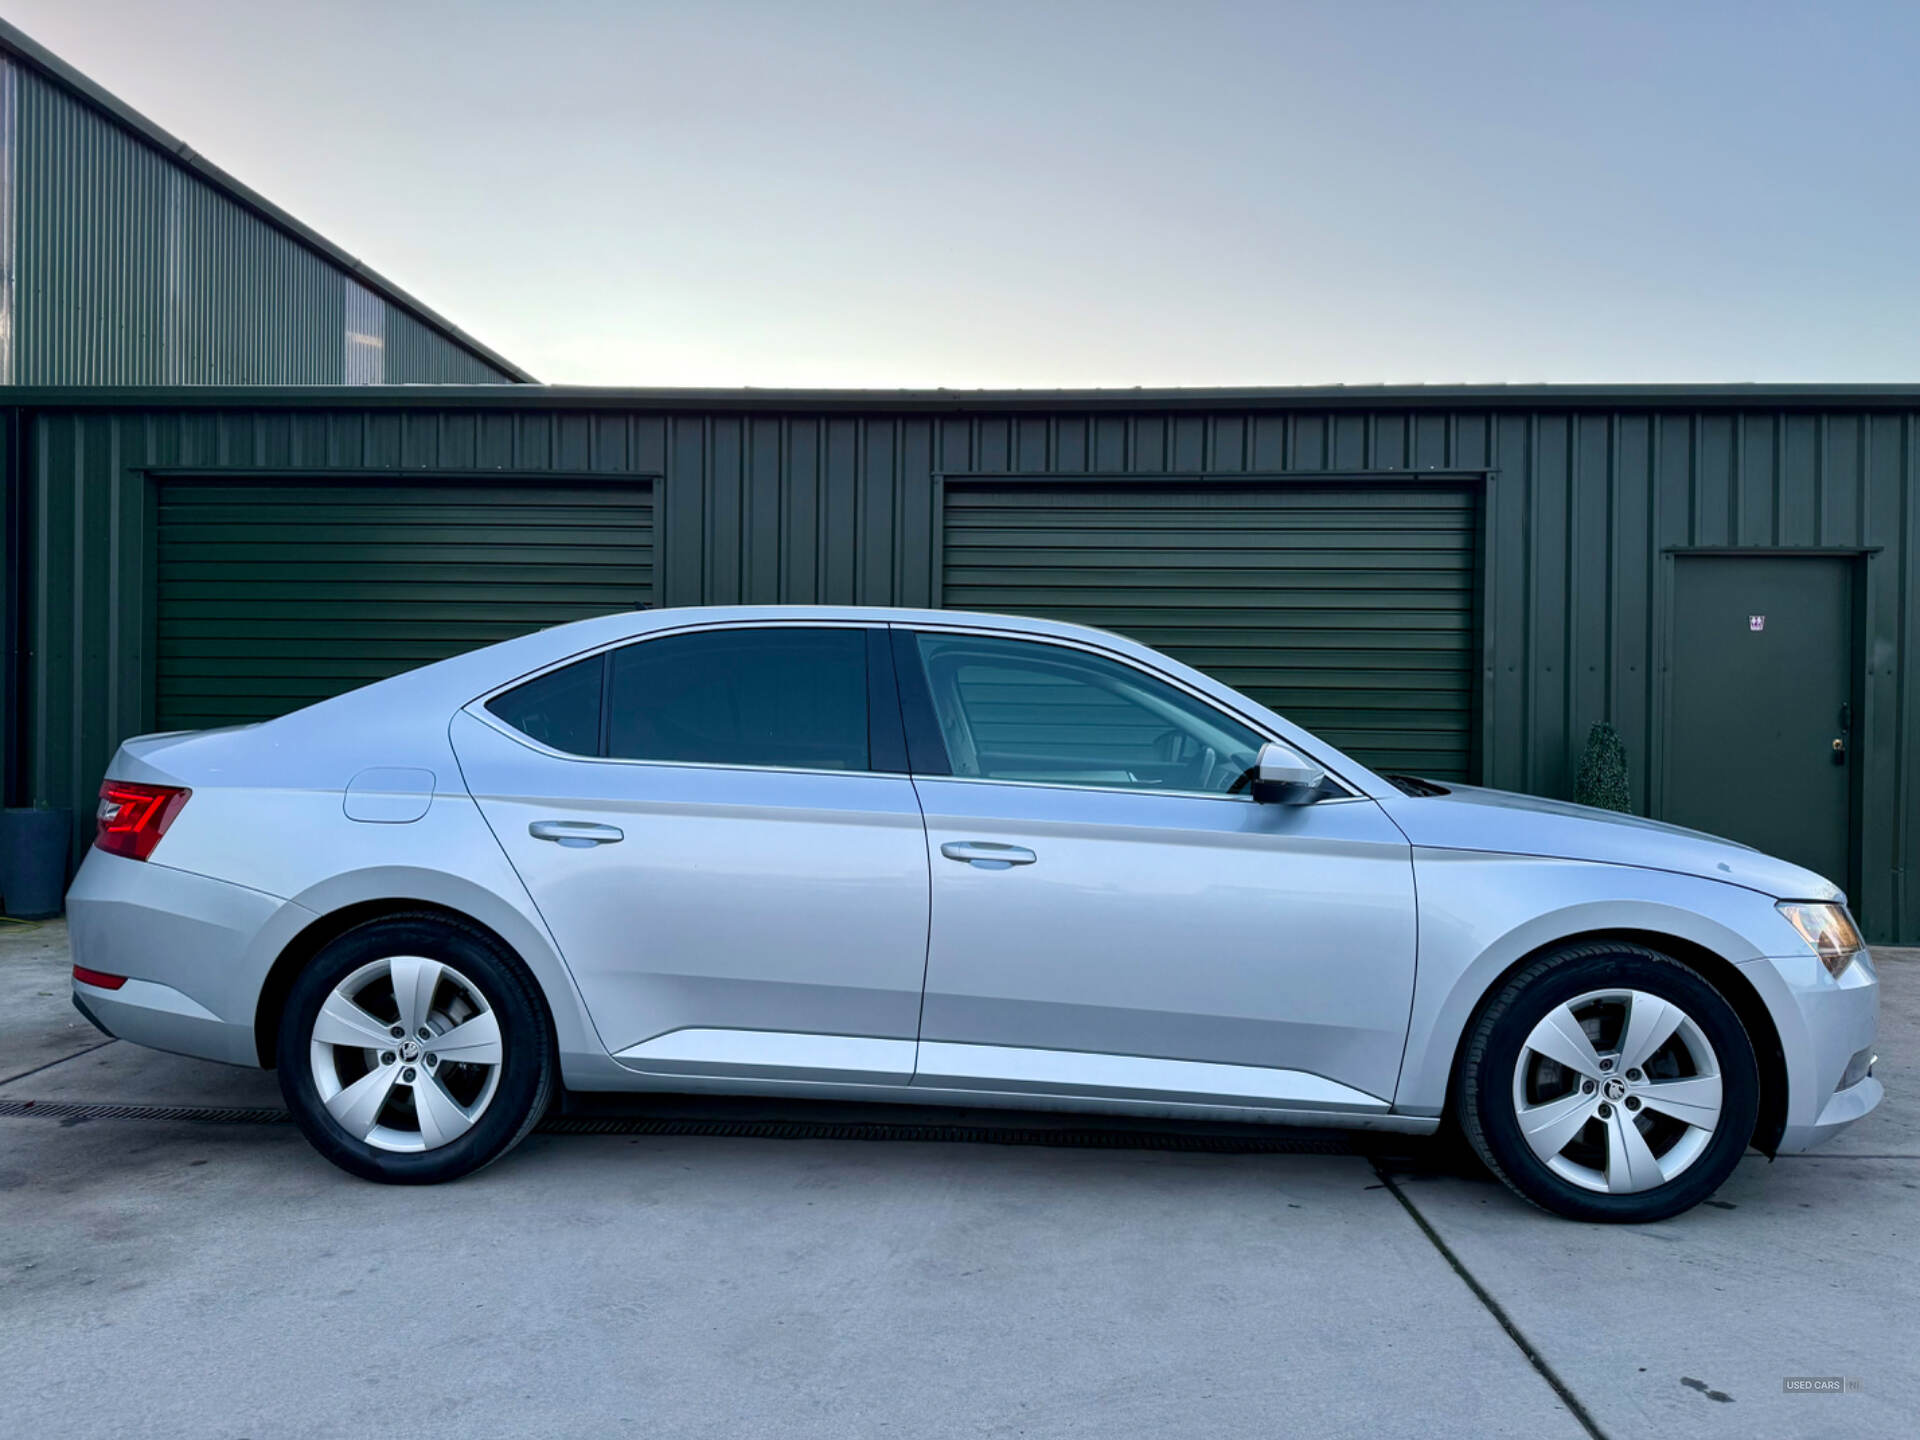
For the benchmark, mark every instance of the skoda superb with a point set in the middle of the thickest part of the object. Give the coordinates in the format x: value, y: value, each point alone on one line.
x: 945, y: 858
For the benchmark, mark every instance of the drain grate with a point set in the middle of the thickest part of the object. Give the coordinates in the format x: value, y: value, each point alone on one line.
x: 1085, y: 1138
x: 94, y: 1110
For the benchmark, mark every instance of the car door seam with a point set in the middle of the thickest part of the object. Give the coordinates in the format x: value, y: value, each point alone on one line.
x: 579, y: 999
x: 926, y: 954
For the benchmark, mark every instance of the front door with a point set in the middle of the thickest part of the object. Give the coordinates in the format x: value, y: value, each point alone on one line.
x: 1759, y: 747
x: 1114, y: 917
x: 707, y: 823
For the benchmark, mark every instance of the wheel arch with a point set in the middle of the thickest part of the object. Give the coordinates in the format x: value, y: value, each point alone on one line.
x: 1711, y: 966
x: 330, y: 926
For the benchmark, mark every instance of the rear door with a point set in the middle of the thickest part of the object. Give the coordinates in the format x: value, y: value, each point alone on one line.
x: 717, y: 826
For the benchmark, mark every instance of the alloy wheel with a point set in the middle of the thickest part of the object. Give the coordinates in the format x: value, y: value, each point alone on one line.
x: 406, y: 1054
x: 1617, y: 1091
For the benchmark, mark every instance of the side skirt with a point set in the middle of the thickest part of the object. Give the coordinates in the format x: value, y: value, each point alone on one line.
x: 854, y: 1068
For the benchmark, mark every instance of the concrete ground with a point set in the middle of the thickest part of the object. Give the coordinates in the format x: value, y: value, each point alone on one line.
x: 170, y: 1277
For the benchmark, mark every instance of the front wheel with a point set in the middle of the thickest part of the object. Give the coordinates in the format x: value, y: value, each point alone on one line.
x: 1609, y: 1082
x: 414, y: 1050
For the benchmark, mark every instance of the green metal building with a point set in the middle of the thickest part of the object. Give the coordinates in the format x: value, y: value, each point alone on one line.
x: 1455, y: 582
x: 127, y: 259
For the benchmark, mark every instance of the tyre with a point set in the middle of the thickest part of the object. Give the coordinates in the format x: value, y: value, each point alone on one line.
x: 1609, y: 1082
x: 415, y: 1050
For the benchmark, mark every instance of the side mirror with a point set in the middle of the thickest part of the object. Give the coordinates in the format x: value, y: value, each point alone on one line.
x: 1283, y: 776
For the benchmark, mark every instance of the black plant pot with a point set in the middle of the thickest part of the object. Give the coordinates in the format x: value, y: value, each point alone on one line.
x: 34, y: 846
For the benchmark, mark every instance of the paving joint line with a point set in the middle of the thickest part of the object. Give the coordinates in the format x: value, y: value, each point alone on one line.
x: 61, y: 1061
x: 1496, y: 1310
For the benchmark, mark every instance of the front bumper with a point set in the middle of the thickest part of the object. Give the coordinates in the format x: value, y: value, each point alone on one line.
x: 1824, y: 1022
x: 195, y: 952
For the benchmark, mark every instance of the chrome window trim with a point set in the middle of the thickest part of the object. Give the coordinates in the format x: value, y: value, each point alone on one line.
x: 691, y: 627
x: 477, y: 707
x: 488, y: 718
x: 1119, y: 789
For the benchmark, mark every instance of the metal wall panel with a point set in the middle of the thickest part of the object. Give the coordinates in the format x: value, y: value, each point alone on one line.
x: 1348, y: 608
x: 133, y: 270
x: 1582, y: 512
x: 254, y: 308
x: 9, y: 171
x: 276, y: 594
x: 366, y: 337
x: 415, y: 355
x: 90, y: 308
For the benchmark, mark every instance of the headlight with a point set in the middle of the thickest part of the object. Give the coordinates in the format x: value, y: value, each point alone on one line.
x: 1828, y: 928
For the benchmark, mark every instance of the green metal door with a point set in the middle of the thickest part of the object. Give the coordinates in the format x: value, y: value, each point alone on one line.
x: 272, y: 596
x: 1347, y: 608
x: 1759, y: 735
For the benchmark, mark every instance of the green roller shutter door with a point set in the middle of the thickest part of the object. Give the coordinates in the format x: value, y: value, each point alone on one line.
x: 272, y: 596
x: 1349, y: 609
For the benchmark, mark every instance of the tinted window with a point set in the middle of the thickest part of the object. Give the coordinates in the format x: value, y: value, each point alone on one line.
x: 560, y: 708
x: 1024, y: 710
x: 780, y: 697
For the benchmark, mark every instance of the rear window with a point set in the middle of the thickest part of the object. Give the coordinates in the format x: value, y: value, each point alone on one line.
x: 560, y: 709
x: 780, y: 697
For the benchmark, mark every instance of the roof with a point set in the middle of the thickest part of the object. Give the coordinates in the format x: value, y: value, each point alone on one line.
x: 25, y: 48
x: 1244, y: 398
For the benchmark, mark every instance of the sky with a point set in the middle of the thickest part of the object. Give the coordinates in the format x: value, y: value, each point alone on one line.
x: 1054, y: 193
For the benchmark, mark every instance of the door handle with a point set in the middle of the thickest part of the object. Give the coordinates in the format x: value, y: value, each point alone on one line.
x: 988, y: 854
x: 575, y: 834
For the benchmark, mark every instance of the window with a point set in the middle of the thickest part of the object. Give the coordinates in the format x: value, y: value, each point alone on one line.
x: 1027, y: 711
x: 560, y: 709
x: 779, y: 697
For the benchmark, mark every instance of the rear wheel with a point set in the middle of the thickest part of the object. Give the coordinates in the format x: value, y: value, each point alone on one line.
x: 1609, y: 1082
x: 414, y: 1050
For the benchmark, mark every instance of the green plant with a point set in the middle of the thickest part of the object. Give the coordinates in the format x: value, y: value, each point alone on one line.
x: 1603, y: 781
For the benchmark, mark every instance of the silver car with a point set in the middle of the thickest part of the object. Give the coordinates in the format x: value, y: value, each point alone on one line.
x: 937, y: 857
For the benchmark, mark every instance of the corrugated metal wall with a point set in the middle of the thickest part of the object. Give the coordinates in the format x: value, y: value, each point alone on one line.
x: 250, y: 304
x: 274, y: 596
x: 132, y: 270
x: 1348, y: 608
x: 9, y: 201
x: 1581, y: 512
x: 366, y: 338
x: 91, y: 245
x: 415, y: 355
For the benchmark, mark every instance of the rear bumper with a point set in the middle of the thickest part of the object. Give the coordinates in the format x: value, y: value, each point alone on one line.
x: 195, y: 952
x: 1824, y: 1022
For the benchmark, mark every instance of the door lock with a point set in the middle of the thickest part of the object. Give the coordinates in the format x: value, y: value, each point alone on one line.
x: 1839, y: 749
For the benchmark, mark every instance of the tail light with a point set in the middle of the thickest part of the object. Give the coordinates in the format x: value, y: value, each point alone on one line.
x: 132, y: 818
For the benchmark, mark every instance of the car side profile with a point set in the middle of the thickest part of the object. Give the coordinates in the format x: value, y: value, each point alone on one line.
x: 930, y: 856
